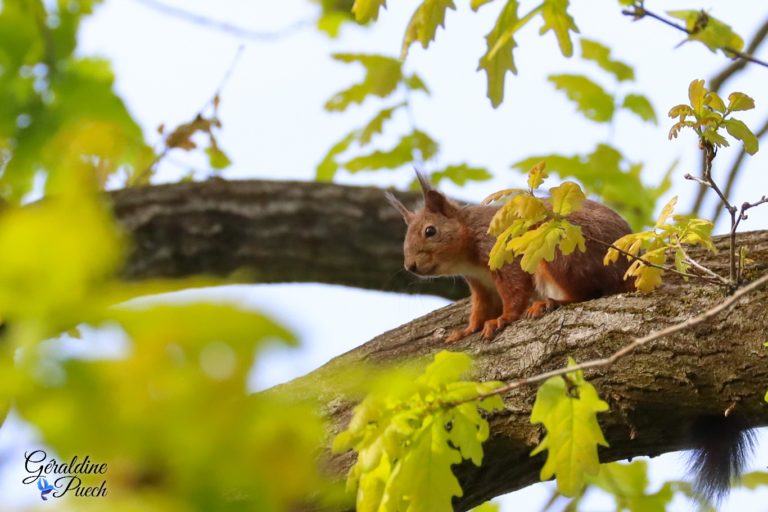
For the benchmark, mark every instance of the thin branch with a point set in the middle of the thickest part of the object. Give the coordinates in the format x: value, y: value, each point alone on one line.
x: 222, y: 26
x: 629, y: 255
x: 702, y: 268
x: 638, y: 12
x: 718, y: 80
x: 715, y: 84
x: 631, y: 347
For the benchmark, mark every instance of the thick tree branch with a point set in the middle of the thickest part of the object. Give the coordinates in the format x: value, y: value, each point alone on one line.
x: 271, y: 232
x: 347, y: 235
x: 656, y: 393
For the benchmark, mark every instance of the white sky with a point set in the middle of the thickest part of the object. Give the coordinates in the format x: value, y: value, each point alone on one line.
x: 274, y: 127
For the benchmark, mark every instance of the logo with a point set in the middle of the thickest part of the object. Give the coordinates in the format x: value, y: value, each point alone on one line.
x: 56, y: 479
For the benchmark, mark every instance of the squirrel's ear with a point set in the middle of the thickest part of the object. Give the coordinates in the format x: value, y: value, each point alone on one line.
x: 436, y: 202
x: 405, y: 212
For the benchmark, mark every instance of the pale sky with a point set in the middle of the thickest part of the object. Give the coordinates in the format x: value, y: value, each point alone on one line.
x: 275, y: 128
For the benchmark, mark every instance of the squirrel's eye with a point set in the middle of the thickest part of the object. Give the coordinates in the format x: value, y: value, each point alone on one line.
x: 430, y: 231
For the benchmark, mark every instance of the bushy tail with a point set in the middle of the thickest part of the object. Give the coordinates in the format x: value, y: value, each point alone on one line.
x: 721, y: 447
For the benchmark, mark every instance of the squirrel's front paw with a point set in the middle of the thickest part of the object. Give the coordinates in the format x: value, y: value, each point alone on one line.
x: 493, y: 326
x: 459, y: 334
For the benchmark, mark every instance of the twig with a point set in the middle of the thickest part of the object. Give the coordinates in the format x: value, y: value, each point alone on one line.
x: 715, y: 84
x: 702, y: 268
x: 213, y: 101
x: 734, y: 67
x: 639, y: 12
x: 222, y: 26
x: 719, y: 279
x: 628, y: 349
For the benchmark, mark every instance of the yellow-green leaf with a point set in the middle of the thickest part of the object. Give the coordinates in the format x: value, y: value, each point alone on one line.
x: 640, y: 105
x: 590, y: 98
x: 556, y: 18
x: 715, y: 34
x: 366, y: 10
x: 696, y: 93
x: 567, y: 198
x: 424, y: 22
x: 740, y: 101
x: 740, y: 131
x: 537, y: 175
x: 498, y: 59
x: 666, y: 211
x: 568, y: 412
x: 594, y: 51
x: 382, y: 76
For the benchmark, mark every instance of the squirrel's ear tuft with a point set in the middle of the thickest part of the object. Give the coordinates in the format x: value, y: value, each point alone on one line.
x: 405, y: 212
x: 436, y: 202
x: 426, y: 186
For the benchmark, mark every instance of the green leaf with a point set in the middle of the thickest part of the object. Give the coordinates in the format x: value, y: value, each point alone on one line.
x: 715, y: 34
x: 416, y: 145
x: 666, y: 212
x: 498, y: 59
x: 640, y: 105
x: 569, y: 414
x: 594, y: 51
x: 328, y: 166
x: 556, y: 18
x: 754, y: 480
x: 627, y: 484
x: 477, y: 4
x: 376, y: 125
x: 424, y: 22
x: 460, y: 174
x: 590, y: 98
x: 567, y: 198
x: 331, y: 23
x: 606, y: 173
x: 536, y: 245
x: 488, y: 506
x: 408, y: 437
x: 415, y: 83
x: 740, y: 101
x: 739, y: 130
x: 382, y: 76
x: 537, y: 175
x: 217, y: 158
x: 367, y: 10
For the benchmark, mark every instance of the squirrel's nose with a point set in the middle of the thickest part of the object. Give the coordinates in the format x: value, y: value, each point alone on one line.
x: 411, y: 267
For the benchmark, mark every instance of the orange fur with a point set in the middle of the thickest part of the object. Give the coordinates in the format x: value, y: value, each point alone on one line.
x: 446, y: 239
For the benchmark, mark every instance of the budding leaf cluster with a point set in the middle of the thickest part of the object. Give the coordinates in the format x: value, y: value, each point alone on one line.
x: 658, y: 244
x: 408, y: 437
x: 532, y: 228
x: 707, y: 114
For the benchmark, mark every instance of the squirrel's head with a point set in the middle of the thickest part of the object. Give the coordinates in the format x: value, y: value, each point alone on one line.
x: 436, y: 242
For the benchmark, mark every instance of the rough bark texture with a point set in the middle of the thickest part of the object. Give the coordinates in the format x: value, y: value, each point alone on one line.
x: 326, y: 233
x: 271, y: 232
x: 655, y: 394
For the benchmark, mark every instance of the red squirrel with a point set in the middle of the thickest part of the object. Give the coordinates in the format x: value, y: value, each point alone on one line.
x: 445, y: 239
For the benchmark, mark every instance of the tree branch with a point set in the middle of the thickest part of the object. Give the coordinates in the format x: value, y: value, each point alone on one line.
x: 221, y: 26
x: 271, y: 232
x: 655, y: 394
x: 280, y: 231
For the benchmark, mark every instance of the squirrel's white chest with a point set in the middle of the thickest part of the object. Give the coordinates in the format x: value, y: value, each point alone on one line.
x: 483, y: 276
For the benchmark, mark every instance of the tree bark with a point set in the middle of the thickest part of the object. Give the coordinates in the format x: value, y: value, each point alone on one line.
x: 271, y: 232
x: 655, y: 394
x: 345, y: 235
